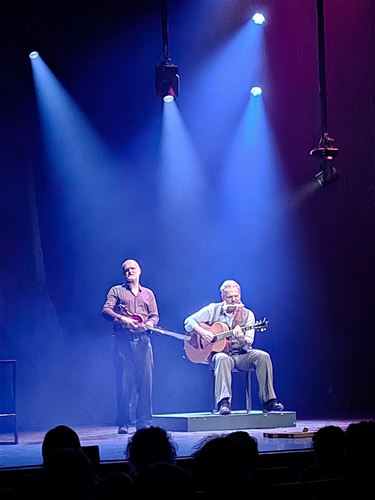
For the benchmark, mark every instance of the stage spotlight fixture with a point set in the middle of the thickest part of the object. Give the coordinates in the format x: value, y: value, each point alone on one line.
x: 326, y: 154
x: 168, y: 98
x: 167, y: 81
x: 256, y: 91
x: 327, y: 175
x: 258, y: 18
x: 34, y: 54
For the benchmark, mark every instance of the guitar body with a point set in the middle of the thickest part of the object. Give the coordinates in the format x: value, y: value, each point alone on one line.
x: 199, y: 350
x: 135, y: 317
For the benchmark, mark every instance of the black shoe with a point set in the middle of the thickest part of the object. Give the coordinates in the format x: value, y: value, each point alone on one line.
x: 123, y: 429
x: 224, y: 407
x: 273, y: 405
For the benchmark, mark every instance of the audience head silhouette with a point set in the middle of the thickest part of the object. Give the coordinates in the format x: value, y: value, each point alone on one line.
x: 58, y: 437
x: 249, y: 443
x: 149, y: 446
x: 237, y: 465
x: 329, y: 455
x: 329, y: 442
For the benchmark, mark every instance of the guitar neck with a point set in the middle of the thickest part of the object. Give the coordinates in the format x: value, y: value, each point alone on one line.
x: 229, y: 333
x: 179, y: 336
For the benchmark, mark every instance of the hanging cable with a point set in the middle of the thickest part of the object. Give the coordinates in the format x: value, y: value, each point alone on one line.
x: 325, y: 151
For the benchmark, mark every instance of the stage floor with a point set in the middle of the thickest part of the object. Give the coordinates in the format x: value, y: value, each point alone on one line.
x: 112, y: 445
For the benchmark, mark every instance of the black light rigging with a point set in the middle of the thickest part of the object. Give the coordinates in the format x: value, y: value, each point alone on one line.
x: 167, y: 80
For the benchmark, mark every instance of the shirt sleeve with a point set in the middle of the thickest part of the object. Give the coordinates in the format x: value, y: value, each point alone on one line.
x: 204, y: 315
x: 109, y: 305
x: 153, y: 313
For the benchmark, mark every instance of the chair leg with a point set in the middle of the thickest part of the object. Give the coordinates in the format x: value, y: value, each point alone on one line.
x: 213, y: 392
x: 248, y: 392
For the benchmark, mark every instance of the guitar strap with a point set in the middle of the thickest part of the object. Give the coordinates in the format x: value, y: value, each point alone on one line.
x: 239, y: 318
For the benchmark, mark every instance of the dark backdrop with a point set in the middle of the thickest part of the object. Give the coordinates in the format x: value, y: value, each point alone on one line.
x: 60, y: 254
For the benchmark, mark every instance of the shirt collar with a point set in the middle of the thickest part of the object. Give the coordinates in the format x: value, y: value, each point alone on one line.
x: 128, y: 288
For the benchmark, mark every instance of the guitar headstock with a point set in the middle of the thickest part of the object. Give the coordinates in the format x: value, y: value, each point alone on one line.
x: 261, y: 325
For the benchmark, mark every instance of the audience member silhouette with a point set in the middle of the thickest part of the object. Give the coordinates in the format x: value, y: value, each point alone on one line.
x: 360, y: 451
x: 222, y: 466
x: 61, y: 436
x: 68, y: 475
x: 250, y: 445
x: 55, y: 439
x: 328, y: 444
x: 147, y: 446
x: 248, y: 442
x: 225, y: 465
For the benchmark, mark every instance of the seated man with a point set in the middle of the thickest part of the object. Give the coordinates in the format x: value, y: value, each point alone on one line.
x: 238, y: 352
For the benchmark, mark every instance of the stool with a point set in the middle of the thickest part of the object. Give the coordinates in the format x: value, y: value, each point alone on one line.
x: 247, y: 389
x: 12, y: 413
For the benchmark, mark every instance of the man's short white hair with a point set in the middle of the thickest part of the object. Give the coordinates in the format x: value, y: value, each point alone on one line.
x: 229, y: 284
x: 134, y: 262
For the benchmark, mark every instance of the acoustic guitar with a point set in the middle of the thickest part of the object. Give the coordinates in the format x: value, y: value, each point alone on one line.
x: 199, y: 350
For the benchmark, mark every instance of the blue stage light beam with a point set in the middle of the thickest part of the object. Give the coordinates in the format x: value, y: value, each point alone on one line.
x: 80, y: 163
x: 180, y: 171
x: 221, y: 87
x: 80, y: 168
x: 255, y: 205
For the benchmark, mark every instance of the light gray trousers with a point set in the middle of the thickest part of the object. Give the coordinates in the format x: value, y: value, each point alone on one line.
x: 224, y: 364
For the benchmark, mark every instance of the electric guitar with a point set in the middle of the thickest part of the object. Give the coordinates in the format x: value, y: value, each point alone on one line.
x: 199, y: 350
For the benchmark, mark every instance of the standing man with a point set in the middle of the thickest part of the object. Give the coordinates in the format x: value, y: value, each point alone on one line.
x: 132, y: 308
x: 238, y: 352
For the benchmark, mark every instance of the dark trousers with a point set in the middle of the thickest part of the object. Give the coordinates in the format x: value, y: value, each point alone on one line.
x: 134, y: 364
